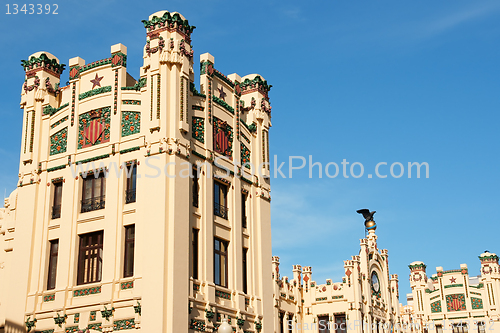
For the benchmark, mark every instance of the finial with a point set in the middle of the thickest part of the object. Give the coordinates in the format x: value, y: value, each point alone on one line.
x: 369, y: 221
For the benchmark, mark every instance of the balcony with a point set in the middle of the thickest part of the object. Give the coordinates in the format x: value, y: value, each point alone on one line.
x: 56, y: 211
x: 130, y: 196
x: 220, y: 211
x: 91, y: 204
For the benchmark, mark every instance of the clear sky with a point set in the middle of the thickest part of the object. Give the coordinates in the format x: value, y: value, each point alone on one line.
x: 366, y: 81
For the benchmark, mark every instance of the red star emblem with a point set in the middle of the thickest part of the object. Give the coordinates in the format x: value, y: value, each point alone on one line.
x: 453, y: 280
x: 96, y: 81
x: 222, y: 93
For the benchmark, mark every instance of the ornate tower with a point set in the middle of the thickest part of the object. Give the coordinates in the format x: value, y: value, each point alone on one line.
x: 181, y: 239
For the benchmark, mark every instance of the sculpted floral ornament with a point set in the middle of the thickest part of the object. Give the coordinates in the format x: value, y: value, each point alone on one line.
x: 107, y: 313
x: 209, y: 314
x: 59, y: 320
x: 30, y: 323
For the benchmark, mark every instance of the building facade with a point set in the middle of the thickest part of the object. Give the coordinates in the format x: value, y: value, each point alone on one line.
x: 453, y: 301
x: 136, y: 207
x: 366, y: 300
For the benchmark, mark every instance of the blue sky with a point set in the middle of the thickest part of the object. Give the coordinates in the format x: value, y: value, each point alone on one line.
x: 366, y: 81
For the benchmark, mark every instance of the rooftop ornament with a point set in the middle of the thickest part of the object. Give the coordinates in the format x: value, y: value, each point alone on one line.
x: 369, y: 221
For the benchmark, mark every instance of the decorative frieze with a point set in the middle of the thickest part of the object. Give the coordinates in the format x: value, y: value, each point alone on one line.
x: 141, y: 83
x: 198, y: 131
x: 124, y: 151
x: 125, y: 324
x: 71, y: 329
x: 436, y: 307
x: 131, y: 102
x: 59, y: 142
x: 94, y: 92
x: 49, y: 298
x: 477, y: 303
x: 222, y: 294
x: 43, y: 62
x: 131, y: 123
x: 51, y: 110
x: 127, y: 285
x: 197, y: 325
x: 223, y: 104
x: 59, y: 122
x: 87, y: 291
x: 245, y: 156
x: 95, y: 326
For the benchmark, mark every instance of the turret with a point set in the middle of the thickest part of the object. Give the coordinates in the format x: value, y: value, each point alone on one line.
x: 489, y: 265
x: 168, y: 66
x: 40, y: 93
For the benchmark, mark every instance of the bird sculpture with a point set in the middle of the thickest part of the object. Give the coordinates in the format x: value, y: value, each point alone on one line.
x: 369, y: 221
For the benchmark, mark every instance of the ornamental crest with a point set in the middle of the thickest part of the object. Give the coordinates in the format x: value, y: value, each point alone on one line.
x: 94, y: 127
x: 455, y: 302
x: 223, y: 137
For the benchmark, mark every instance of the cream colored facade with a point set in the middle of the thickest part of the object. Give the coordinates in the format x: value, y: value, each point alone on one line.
x: 103, y: 120
x: 453, y: 301
x: 358, y: 303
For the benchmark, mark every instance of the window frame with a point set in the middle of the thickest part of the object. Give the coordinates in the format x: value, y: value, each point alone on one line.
x: 57, y: 200
x: 220, y: 253
x: 129, y: 253
x: 52, y: 269
x: 339, y: 320
x: 195, y: 187
x: 327, y: 324
x: 245, y: 270
x: 195, y: 233
x: 131, y: 183
x: 220, y: 199
x: 94, y: 205
x: 244, y: 197
x: 82, y: 274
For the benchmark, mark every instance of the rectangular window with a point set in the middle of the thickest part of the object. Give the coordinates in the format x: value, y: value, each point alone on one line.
x: 481, y: 327
x: 460, y: 328
x: 340, y: 322
x: 94, y: 190
x: 56, y: 205
x: 245, y: 271
x: 131, y: 183
x: 220, y: 262
x: 439, y: 329
x: 243, y: 210
x: 323, y: 324
x: 289, y: 323
x: 196, y: 188
x: 90, y: 258
x: 194, y: 249
x: 282, y: 319
x: 54, y: 250
x: 128, y: 266
x: 220, y: 200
